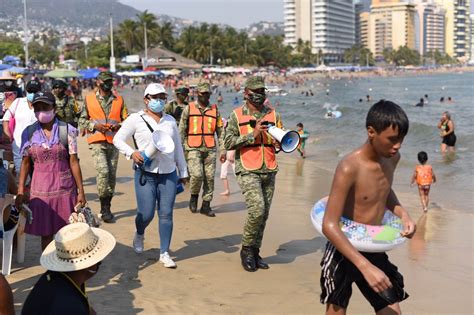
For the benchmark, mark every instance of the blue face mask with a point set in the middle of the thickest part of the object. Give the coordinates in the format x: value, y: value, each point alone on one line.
x: 156, y: 105
x: 29, y: 97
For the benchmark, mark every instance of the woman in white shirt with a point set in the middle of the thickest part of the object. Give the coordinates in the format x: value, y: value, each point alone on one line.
x: 156, y: 180
x: 22, y: 112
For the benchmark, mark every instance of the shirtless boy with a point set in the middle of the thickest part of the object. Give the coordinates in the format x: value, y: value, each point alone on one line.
x: 361, y: 190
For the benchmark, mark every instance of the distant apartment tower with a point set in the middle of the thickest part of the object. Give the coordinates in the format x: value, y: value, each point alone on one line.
x: 327, y: 24
x: 472, y: 38
x: 391, y: 25
x: 298, y: 21
x: 362, y: 9
x: 429, y: 27
x: 457, y: 27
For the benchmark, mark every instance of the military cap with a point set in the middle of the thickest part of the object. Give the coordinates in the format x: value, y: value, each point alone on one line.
x: 59, y: 84
x: 203, y: 87
x: 105, y: 75
x: 254, y: 83
x: 181, y: 90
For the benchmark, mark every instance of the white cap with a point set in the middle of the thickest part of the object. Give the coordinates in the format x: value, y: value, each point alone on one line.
x: 153, y: 89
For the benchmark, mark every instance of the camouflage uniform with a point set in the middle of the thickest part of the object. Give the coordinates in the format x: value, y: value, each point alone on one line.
x: 201, y: 161
x: 67, y: 109
x: 104, y: 154
x: 175, y: 109
x: 258, y: 185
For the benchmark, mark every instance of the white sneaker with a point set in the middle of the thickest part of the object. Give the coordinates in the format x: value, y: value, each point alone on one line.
x: 166, y: 260
x: 138, y: 243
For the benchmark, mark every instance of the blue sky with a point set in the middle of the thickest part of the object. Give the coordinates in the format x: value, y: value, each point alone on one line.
x: 236, y: 13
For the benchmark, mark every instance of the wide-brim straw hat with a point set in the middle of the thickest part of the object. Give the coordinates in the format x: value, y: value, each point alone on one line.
x: 77, y: 246
x: 6, y: 75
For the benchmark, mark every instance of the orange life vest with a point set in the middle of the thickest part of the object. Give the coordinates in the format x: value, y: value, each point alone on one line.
x: 424, y: 175
x: 201, y: 126
x: 253, y: 156
x: 97, y: 115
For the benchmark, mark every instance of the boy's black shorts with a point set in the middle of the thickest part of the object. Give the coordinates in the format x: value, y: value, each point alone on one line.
x: 338, y: 274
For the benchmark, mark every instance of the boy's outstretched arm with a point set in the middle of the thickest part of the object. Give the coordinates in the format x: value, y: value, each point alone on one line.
x: 394, y: 205
x: 343, y: 180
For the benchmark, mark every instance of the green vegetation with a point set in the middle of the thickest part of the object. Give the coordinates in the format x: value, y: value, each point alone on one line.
x: 359, y: 55
x: 207, y: 44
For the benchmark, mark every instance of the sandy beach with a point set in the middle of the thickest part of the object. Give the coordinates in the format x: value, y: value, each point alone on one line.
x: 436, y: 264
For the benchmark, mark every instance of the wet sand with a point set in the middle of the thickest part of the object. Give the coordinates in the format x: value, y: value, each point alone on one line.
x: 436, y: 264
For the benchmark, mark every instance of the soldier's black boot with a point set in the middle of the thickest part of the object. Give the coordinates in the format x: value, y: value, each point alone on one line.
x: 206, y: 209
x: 193, y: 203
x: 247, y: 257
x: 106, y: 213
x: 258, y: 260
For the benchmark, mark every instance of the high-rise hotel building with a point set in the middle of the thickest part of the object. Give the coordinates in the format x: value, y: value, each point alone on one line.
x: 328, y: 25
x: 429, y: 27
x: 391, y: 25
x: 457, y: 27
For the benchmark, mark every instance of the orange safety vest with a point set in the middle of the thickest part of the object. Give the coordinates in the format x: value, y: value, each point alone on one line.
x: 97, y: 115
x: 253, y: 156
x: 424, y: 175
x: 201, y: 126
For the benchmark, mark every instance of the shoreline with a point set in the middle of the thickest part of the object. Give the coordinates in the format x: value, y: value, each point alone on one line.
x: 209, y: 278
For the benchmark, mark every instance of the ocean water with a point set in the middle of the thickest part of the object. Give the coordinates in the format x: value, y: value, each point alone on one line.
x: 331, y: 139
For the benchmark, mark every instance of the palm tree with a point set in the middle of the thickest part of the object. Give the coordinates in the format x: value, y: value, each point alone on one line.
x: 165, y: 35
x: 128, y: 35
x: 152, y: 28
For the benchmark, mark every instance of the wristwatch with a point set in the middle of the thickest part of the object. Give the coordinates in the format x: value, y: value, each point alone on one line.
x: 250, y: 138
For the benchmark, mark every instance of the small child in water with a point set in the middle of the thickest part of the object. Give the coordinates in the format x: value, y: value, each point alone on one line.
x: 424, y: 177
x: 303, y: 136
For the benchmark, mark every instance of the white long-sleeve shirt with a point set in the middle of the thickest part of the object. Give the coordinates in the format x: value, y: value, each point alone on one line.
x: 162, y: 163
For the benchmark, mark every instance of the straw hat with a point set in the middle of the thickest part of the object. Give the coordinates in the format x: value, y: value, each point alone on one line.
x: 77, y: 246
x: 6, y: 75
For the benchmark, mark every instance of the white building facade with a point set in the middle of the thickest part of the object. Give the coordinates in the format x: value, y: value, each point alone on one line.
x: 329, y: 25
x: 429, y: 27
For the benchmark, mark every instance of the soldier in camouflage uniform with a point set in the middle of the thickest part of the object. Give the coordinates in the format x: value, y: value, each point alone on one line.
x: 255, y: 165
x: 199, y: 124
x: 67, y: 108
x: 101, y: 116
x: 175, y: 107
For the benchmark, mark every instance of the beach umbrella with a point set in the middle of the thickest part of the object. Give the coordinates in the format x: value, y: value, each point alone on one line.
x: 62, y: 73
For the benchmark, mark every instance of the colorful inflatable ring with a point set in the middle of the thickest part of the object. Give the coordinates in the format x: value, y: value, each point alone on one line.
x: 366, y: 238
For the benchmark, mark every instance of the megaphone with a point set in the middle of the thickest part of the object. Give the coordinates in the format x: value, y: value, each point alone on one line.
x: 289, y: 140
x: 162, y: 142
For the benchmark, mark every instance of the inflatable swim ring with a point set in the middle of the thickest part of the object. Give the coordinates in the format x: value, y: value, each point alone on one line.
x: 334, y: 114
x: 366, y: 238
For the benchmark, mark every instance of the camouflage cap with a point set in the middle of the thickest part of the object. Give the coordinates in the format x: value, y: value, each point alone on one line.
x: 203, y: 87
x: 105, y: 75
x: 181, y: 90
x: 254, y: 83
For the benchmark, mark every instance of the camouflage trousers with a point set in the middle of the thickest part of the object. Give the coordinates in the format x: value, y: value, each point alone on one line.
x: 202, y: 168
x: 258, y: 193
x: 105, y: 157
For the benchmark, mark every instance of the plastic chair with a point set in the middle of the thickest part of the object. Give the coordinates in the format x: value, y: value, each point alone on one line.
x: 7, y: 236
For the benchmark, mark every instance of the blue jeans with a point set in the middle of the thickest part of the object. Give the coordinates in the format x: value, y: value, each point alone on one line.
x: 159, y: 190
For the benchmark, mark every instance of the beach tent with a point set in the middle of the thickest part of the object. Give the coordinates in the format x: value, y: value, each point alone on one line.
x: 89, y: 73
x: 11, y: 59
x: 4, y: 66
x: 62, y: 73
x: 17, y: 70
